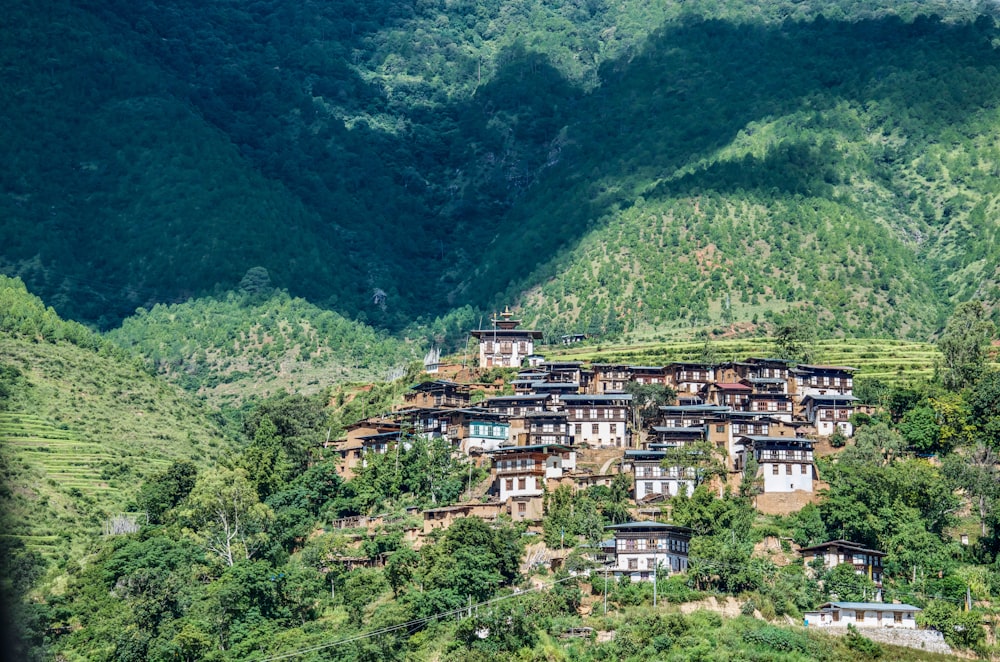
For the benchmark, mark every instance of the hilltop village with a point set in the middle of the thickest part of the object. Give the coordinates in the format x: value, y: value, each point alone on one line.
x: 576, y: 425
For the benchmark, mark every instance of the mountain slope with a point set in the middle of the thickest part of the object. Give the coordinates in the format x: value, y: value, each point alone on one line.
x: 238, y: 346
x: 395, y: 161
x: 81, y: 425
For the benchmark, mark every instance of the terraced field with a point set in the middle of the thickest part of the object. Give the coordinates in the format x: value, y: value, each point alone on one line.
x: 893, y: 361
x: 80, y: 435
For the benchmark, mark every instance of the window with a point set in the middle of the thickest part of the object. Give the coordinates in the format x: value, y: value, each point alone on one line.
x: 788, y: 470
x: 897, y: 617
x: 859, y: 616
x: 522, y: 507
x: 836, y: 616
x: 521, y: 483
x: 804, y: 468
x: 522, y: 347
x: 633, y: 564
x: 594, y: 429
x: 774, y: 469
x: 649, y: 488
x: 509, y: 484
x: 578, y: 428
x: 505, y: 347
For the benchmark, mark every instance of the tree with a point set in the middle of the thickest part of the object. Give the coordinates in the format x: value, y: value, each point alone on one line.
x: 978, y: 474
x: 256, y: 283
x: 793, y: 334
x: 646, y: 399
x: 963, y: 343
x: 226, y: 516
x: 984, y: 408
x: 165, y: 489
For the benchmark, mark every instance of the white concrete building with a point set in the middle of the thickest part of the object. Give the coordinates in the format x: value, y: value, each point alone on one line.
x: 598, y: 420
x: 863, y: 615
x: 785, y: 464
x: 505, y: 345
x: 829, y: 412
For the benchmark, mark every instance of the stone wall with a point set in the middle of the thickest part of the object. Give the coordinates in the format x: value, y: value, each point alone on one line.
x: 931, y: 641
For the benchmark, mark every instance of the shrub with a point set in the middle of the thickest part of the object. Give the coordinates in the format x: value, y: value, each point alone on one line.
x: 856, y: 642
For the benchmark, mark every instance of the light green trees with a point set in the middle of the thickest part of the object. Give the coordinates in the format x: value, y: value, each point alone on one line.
x: 225, y: 516
x: 963, y: 344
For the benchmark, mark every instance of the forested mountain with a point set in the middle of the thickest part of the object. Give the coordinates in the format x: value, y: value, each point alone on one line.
x: 606, y: 165
x: 259, y: 344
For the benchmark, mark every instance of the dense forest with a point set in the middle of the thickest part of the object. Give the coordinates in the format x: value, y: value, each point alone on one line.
x: 609, y: 166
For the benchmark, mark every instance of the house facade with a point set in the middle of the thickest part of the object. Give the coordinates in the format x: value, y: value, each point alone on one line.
x: 643, y: 549
x: 784, y: 464
x: 598, y: 420
x: 866, y: 562
x: 863, y: 615
x: 505, y: 345
x: 652, y: 479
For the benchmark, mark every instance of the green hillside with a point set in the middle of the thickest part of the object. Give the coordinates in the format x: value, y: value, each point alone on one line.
x: 610, y: 166
x: 81, y: 426
x: 241, y: 345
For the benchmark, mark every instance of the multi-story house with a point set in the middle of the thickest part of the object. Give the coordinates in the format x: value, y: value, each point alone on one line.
x: 661, y: 435
x: 609, y: 377
x: 784, y: 464
x: 505, y: 344
x: 516, y: 405
x: 866, y: 562
x: 476, y: 431
x: 822, y: 380
x: 729, y: 394
x: 775, y: 405
x: 651, y: 479
x: 690, y: 376
x: 643, y: 550
x: 648, y: 374
x: 689, y: 416
x: 547, y: 427
x: 438, y: 393
x: 521, y: 473
x: 829, y: 412
x: 598, y: 420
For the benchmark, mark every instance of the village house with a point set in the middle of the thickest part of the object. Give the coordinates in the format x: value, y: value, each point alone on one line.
x: 647, y: 374
x: 785, y: 464
x: 660, y: 435
x: 477, y: 431
x: 556, y: 390
x: 866, y: 562
x: 775, y: 405
x: 516, y: 405
x: 505, y: 345
x: 564, y: 371
x: 654, y: 480
x: 598, y: 420
x: 609, y: 377
x: 522, y: 473
x: 863, y: 615
x: 822, y: 380
x: 690, y: 376
x: 547, y: 427
x: 728, y: 394
x: 438, y: 393
x: 644, y: 548
x: 689, y: 416
x: 829, y: 412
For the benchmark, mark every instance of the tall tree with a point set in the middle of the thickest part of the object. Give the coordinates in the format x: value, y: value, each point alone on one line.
x: 226, y: 516
x: 963, y: 343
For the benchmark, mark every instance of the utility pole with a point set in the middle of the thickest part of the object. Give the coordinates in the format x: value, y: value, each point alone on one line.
x: 605, y: 589
x: 656, y: 565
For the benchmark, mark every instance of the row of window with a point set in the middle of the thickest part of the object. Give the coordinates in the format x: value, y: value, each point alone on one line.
x: 522, y: 484
x: 661, y: 472
x: 489, y: 431
x: 643, y: 544
x: 505, y: 347
x: 803, y: 469
x: 609, y: 413
x: 785, y: 455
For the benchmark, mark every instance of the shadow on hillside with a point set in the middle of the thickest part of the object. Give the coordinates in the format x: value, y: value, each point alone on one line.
x: 694, y: 86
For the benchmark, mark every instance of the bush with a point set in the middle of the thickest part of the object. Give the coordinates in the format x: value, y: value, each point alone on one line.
x: 856, y: 642
x: 777, y: 639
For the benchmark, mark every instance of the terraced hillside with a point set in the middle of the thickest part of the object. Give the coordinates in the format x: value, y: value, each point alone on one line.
x: 893, y: 361
x: 80, y: 432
